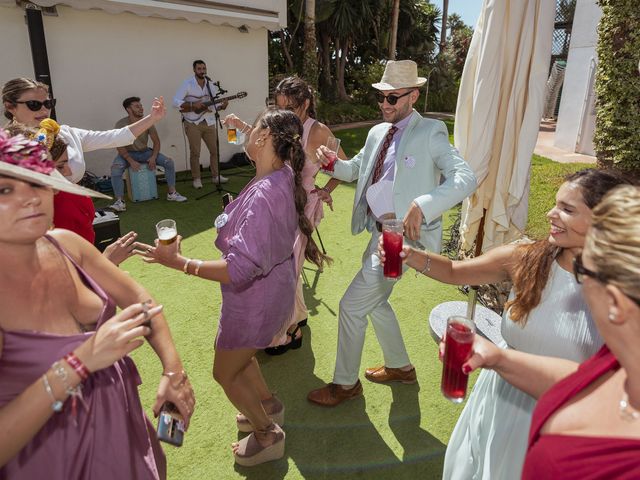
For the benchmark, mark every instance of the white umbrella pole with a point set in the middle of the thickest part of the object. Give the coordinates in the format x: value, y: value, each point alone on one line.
x: 473, y: 293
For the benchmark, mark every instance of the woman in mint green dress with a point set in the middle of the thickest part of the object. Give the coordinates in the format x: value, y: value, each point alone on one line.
x: 546, y: 315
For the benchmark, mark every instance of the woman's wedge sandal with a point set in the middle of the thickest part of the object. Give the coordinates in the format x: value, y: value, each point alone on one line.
x: 273, y: 407
x: 249, y: 452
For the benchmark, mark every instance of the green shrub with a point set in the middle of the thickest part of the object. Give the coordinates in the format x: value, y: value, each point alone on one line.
x: 617, y: 135
x: 335, y: 113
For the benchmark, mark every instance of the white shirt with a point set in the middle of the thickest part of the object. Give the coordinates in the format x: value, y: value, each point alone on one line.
x: 79, y: 141
x: 389, y: 164
x: 190, y: 91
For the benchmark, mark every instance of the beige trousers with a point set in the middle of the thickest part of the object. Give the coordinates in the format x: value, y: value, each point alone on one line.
x: 196, y: 133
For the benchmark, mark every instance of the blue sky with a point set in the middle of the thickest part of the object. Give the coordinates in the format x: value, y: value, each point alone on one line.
x: 469, y: 10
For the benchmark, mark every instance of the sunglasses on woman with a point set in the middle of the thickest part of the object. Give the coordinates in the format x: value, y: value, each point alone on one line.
x: 391, y: 98
x: 580, y: 271
x: 35, y: 105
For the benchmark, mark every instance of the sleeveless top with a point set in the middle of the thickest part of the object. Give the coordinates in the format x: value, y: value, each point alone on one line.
x: 313, y: 209
x: 489, y: 440
x: 574, y: 456
x: 107, y: 437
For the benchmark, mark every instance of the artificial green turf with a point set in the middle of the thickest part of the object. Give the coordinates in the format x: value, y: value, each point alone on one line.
x: 395, y: 431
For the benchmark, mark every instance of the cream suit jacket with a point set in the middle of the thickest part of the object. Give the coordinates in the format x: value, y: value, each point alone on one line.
x: 428, y: 171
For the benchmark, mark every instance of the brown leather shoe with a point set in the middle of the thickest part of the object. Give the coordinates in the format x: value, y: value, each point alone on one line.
x: 384, y: 374
x: 333, y: 394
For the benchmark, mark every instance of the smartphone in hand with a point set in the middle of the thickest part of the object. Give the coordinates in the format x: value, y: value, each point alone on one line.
x: 170, y: 425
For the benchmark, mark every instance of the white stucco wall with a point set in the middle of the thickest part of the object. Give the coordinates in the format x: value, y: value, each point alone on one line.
x: 582, y: 49
x: 97, y: 59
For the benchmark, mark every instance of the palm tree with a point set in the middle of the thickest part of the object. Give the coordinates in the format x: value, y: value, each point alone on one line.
x: 394, y: 29
x: 310, y: 61
x: 443, y: 29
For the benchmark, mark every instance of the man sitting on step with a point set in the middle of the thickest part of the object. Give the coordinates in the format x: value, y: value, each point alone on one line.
x: 138, y: 153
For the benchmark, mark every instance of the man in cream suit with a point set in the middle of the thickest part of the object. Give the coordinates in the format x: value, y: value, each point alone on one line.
x: 426, y: 176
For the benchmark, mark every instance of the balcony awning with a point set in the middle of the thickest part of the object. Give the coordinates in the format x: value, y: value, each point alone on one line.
x: 269, y: 14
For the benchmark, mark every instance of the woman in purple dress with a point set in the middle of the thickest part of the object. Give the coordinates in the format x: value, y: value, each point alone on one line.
x: 257, y: 271
x: 69, y: 405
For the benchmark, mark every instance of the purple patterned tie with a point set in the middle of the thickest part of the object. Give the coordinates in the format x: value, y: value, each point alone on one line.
x: 377, y: 171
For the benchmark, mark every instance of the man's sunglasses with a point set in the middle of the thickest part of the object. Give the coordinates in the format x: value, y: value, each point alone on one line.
x: 391, y: 99
x: 35, y: 105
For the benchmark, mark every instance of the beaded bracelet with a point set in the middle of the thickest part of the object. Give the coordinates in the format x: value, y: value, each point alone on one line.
x: 426, y: 268
x: 77, y: 365
x: 56, y: 405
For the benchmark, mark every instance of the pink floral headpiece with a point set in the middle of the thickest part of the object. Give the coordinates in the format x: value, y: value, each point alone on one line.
x: 25, y: 153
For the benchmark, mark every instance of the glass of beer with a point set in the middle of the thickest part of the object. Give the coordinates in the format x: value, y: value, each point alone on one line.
x: 235, y: 136
x: 167, y: 231
x: 392, y: 239
x: 458, y: 348
x: 333, y: 145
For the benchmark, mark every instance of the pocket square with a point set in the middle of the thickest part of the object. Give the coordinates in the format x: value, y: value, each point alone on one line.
x: 409, y: 162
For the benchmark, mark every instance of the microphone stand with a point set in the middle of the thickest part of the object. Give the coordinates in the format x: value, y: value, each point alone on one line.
x: 219, y: 188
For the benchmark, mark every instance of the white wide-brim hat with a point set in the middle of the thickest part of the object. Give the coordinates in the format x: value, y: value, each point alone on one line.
x: 54, y: 180
x: 400, y: 74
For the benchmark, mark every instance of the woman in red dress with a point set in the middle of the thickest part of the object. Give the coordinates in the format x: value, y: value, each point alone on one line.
x: 586, y: 424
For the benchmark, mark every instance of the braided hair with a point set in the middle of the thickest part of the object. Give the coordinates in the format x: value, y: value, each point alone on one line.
x: 286, y: 132
x: 297, y: 91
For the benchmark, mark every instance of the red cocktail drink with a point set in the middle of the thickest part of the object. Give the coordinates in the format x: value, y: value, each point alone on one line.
x: 458, y: 347
x: 331, y: 152
x: 392, y: 242
x: 392, y: 231
x: 332, y: 156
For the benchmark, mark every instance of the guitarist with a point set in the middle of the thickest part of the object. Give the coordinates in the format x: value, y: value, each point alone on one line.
x: 199, y: 119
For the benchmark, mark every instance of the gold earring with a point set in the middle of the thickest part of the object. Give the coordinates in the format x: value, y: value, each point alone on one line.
x: 612, y: 316
x: 260, y: 142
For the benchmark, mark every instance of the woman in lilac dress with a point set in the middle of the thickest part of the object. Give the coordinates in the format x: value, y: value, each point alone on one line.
x: 69, y: 406
x: 257, y: 271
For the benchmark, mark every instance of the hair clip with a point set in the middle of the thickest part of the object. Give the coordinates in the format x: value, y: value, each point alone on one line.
x: 47, y: 132
x: 296, y: 136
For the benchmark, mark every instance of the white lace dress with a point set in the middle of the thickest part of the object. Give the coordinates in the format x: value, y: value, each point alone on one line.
x: 489, y: 440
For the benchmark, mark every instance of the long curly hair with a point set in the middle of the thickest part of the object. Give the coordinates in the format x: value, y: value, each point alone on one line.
x: 286, y: 132
x: 534, y: 260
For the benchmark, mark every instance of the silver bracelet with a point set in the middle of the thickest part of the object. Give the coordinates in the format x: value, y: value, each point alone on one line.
x: 61, y: 373
x: 56, y: 405
x: 426, y: 268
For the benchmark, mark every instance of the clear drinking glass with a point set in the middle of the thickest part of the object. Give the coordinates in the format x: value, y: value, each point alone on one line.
x: 333, y: 145
x: 458, y: 348
x: 392, y: 239
x: 167, y: 231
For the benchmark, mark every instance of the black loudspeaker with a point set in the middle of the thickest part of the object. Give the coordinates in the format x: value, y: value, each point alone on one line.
x: 106, y: 224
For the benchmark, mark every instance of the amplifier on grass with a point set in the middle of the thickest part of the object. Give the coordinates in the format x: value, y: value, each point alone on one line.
x: 106, y: 224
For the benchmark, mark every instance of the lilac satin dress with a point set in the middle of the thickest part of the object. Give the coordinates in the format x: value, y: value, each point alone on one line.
x: 109, y: 436
x: 257, y: 243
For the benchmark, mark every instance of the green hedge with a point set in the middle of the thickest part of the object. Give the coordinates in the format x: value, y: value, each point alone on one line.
x: 617, y: 135
x: 335, y: 113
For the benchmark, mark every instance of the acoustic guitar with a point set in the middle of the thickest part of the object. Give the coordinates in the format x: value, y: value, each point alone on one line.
x: 206, y: 101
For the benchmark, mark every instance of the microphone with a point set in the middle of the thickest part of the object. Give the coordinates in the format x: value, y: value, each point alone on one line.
x: 221, y: 90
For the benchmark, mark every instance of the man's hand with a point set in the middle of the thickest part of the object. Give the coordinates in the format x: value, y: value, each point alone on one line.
x: 152, y: 162
x: 135, y: 165
x: 412, y: 222
x: 224, y: 105
x: 197, y: 107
